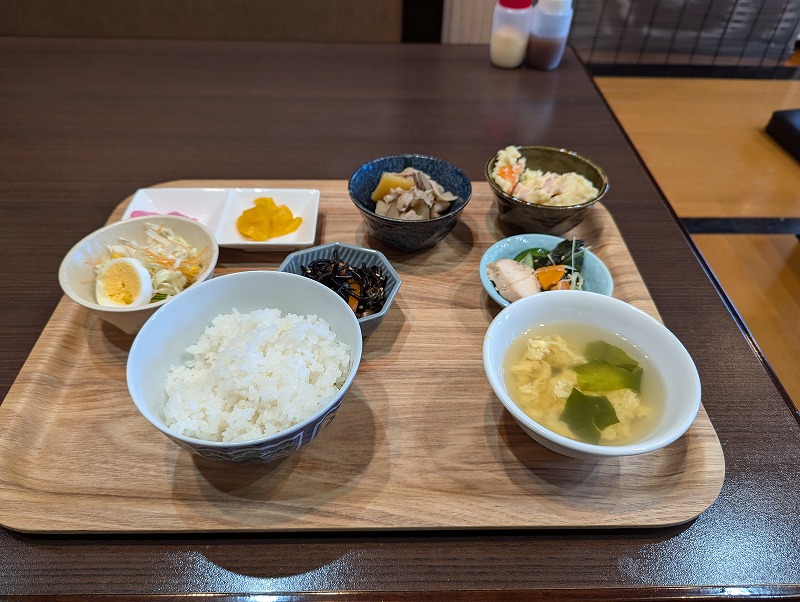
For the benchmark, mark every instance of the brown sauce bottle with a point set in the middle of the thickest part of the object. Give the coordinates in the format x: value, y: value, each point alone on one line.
x: 550, y: 22
x: 545, y: 54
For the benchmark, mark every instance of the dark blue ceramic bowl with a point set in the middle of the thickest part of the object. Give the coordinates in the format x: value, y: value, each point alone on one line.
x: 406, y: 235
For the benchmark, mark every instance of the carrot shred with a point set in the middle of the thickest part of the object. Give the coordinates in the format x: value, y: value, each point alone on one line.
x: 352, y: 300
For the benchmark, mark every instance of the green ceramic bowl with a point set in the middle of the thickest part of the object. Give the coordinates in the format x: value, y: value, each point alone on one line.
x: 517, y: 216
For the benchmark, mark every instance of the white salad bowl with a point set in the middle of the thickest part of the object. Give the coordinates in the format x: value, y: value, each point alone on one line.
x: 77, y: 278
x: 673, y: 366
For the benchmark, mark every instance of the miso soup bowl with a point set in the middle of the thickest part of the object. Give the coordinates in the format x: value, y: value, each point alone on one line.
x: 662, y: 351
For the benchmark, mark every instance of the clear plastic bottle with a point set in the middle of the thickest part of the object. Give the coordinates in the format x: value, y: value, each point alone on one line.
x: 511, y: 24
x: 548, y: 34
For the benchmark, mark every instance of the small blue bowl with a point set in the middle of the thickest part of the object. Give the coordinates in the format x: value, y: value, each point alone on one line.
x: 596, y: 277
x: 405, y: 235
x: 356, y: 256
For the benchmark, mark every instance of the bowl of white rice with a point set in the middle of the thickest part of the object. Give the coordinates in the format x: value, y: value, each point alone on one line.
x: 245, y: 367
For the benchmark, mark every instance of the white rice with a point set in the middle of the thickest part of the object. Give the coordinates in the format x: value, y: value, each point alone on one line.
x: 255, y: 374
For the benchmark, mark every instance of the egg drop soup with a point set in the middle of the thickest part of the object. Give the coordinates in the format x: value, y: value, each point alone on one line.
x: 584, y: 383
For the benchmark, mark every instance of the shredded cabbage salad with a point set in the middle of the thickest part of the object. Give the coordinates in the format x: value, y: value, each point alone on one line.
x: 173, y: 263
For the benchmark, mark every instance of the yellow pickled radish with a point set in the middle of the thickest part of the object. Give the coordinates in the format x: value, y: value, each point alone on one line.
x: 267, y: 220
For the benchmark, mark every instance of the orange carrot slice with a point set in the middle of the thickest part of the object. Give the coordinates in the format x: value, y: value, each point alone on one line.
x: 550, y: 275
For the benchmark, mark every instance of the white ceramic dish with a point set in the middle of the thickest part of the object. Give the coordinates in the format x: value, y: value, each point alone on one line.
x: 77, y: 271
x: 218, y: 208
x: 652, y: 340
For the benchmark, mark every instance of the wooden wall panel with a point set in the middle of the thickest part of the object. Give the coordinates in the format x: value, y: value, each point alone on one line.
x: 273, y: 20
x: 467, y: 21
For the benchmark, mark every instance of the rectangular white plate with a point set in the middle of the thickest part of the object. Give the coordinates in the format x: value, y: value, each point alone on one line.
x: 218, y: 209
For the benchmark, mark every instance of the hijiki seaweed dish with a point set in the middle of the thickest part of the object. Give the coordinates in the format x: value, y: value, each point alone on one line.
x: 361, y: 287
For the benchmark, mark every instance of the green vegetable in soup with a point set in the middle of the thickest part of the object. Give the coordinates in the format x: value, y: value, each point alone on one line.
x: 600, y: 350
x: 602, y: 376
x: 587, y: 416
x: 609, y: 369
x: 580, y: 387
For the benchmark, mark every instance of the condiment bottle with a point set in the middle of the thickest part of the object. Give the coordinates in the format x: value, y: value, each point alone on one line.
x: 510, y: 28
x: 548, y: 34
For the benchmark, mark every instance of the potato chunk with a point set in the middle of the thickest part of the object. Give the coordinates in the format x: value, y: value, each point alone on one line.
x: 387, y: 182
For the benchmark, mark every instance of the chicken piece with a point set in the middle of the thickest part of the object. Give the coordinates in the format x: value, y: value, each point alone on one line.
x: 439, y: 207
x: 512, y: 279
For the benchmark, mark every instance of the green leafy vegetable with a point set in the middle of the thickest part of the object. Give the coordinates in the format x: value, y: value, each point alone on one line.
x: 597, y: 375
x: 569, y: 252
x: 587, y: 416
x: 600, y: 350
x: 533, y: 258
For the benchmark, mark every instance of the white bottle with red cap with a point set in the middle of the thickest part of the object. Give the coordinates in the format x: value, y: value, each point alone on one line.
x: 549, y: 31
x: 511, y: 25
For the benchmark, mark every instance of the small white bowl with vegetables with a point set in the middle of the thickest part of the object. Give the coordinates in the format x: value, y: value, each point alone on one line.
x: 125, y: 271
x: 527, y: 264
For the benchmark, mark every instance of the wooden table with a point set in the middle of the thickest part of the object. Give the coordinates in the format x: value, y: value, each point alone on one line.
x: 85, y: 123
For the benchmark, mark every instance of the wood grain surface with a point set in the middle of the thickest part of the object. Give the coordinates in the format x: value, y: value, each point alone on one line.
x: 704, y: 142
x: 675, y: 124
x: 421, y: 441
x: 87, y: 122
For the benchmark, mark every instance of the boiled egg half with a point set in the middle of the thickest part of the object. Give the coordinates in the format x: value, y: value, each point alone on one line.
x: 123, y: 282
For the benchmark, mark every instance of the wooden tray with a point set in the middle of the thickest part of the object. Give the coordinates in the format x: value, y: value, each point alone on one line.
x: 420, y: 443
